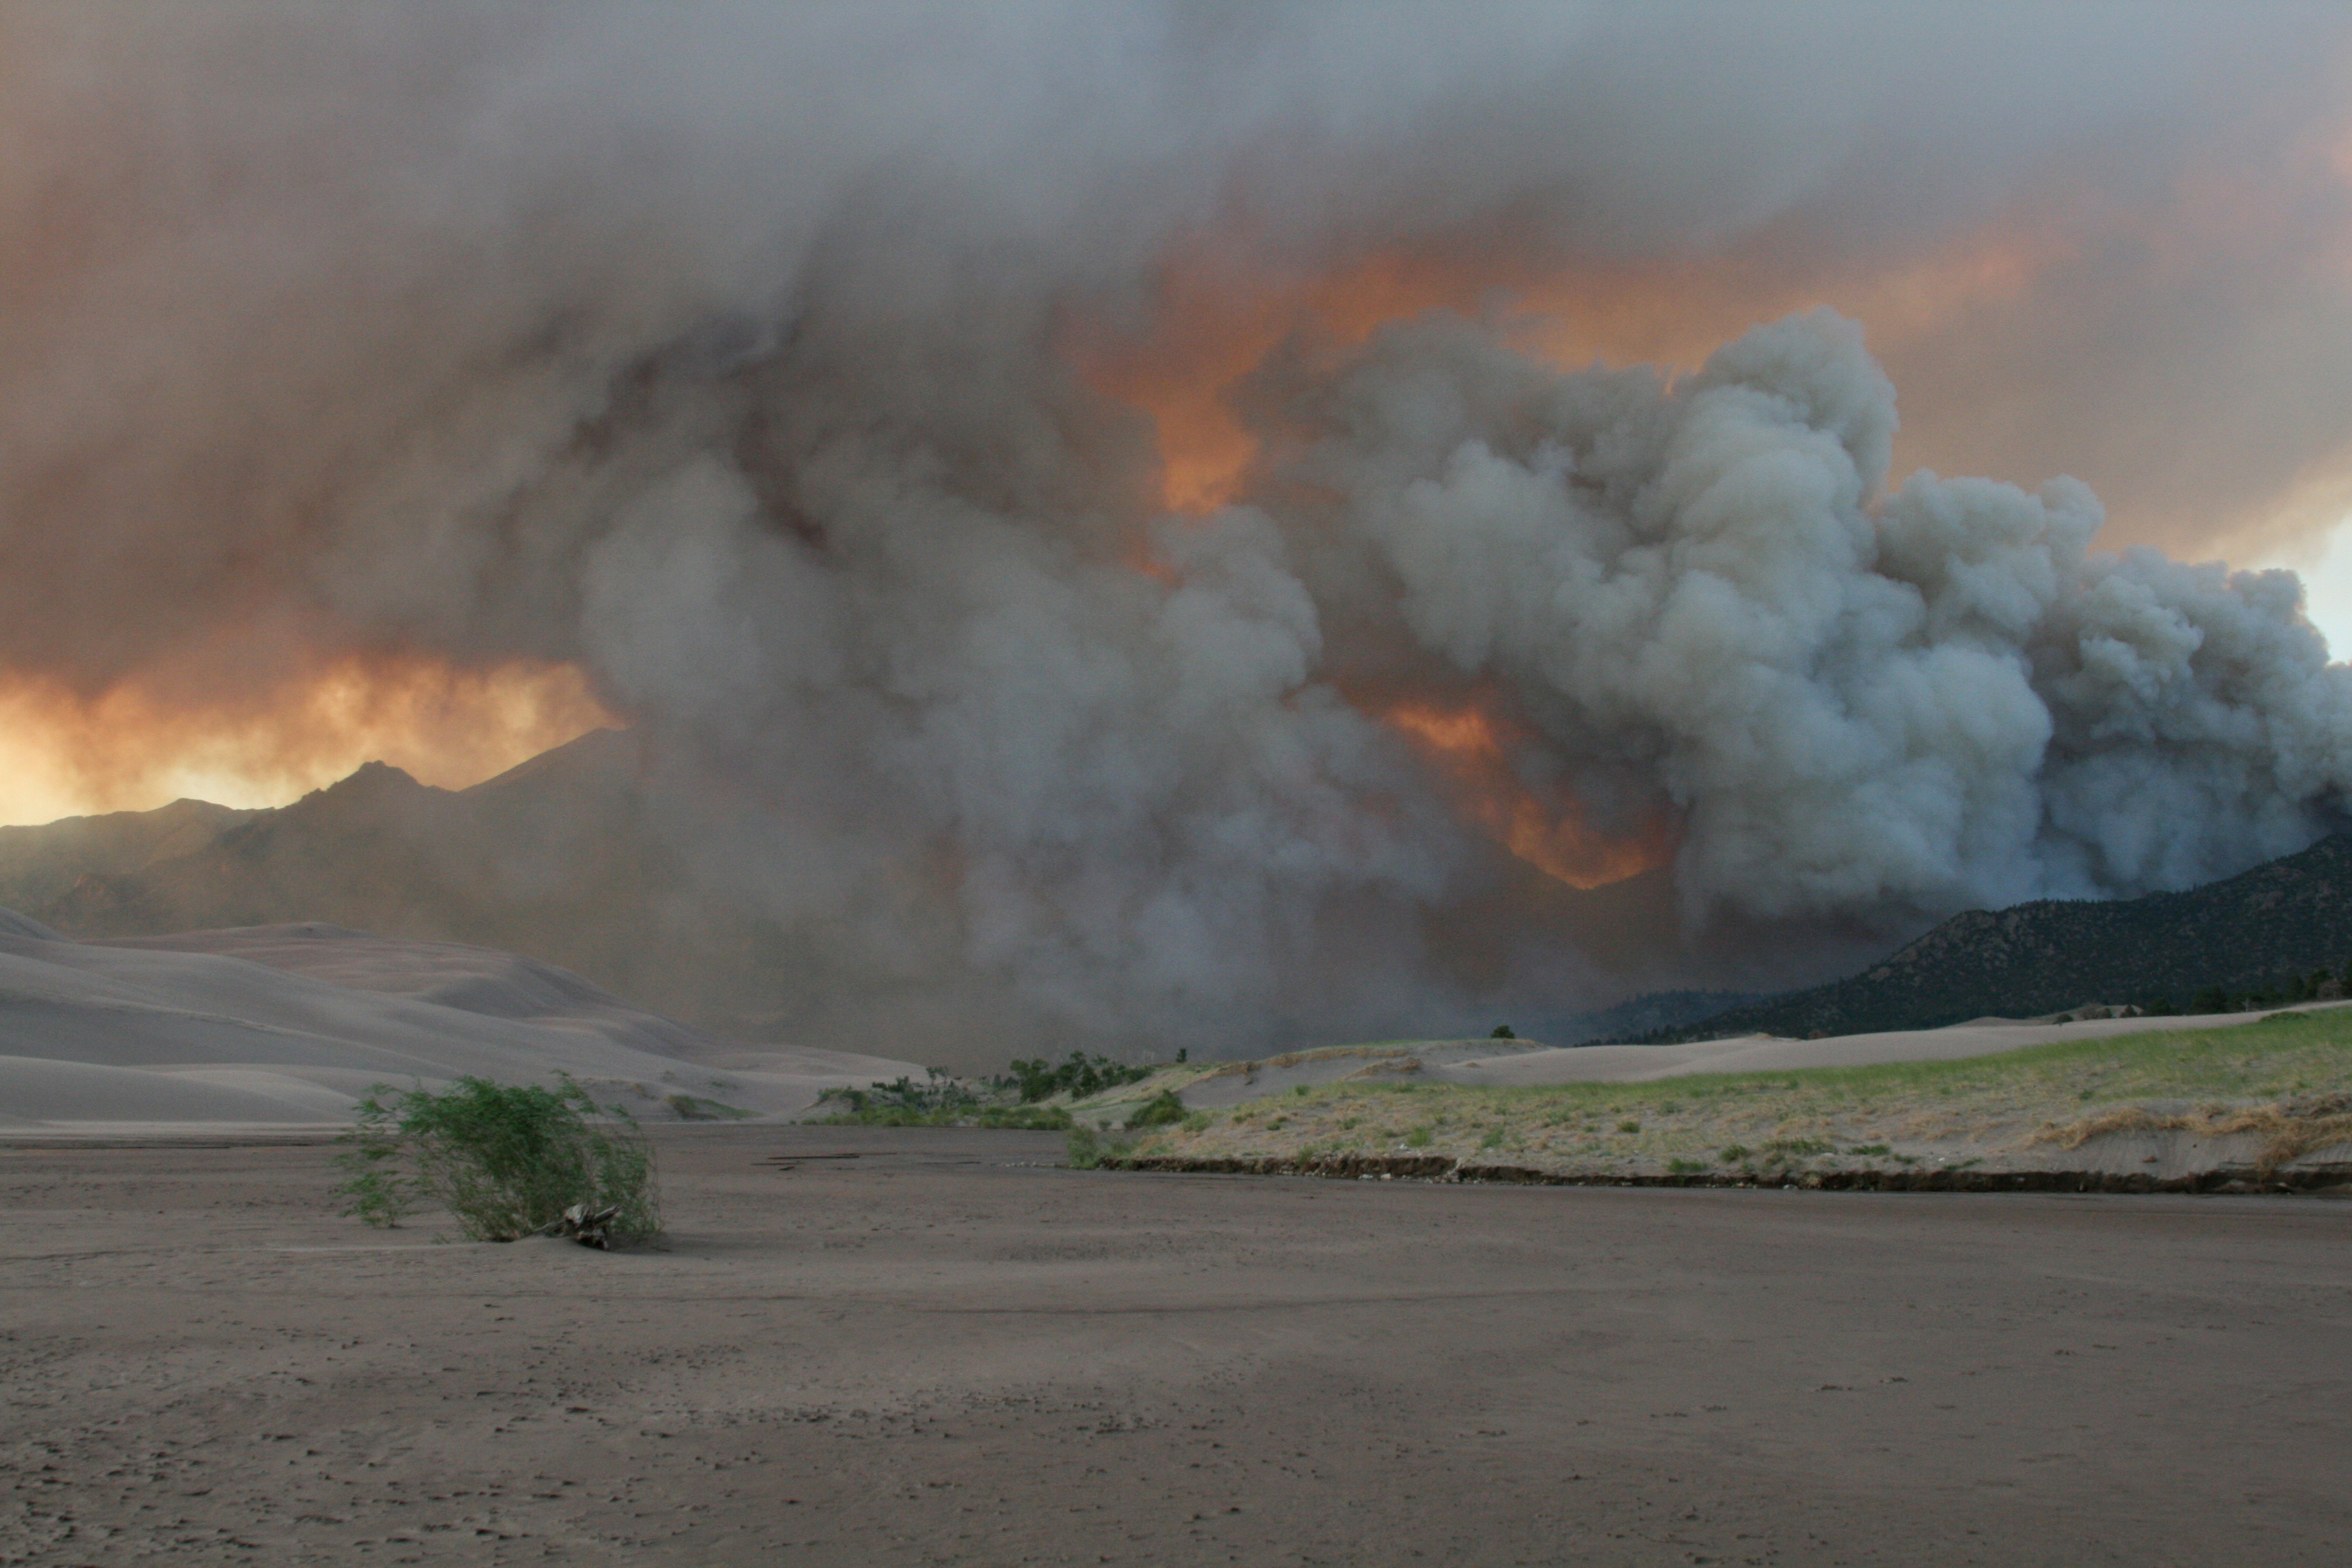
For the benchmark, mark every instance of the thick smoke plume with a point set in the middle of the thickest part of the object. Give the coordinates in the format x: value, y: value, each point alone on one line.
x: 748, y: 358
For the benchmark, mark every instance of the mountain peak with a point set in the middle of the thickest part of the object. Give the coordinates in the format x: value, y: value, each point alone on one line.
x: 371, y: 778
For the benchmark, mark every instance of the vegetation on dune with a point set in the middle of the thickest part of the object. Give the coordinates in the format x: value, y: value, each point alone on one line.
x: 1015, y: 1101
x: 1081, y: 1076
x: 939, y: 1101
x: 2235, y: 1078
x: 506, y: 1159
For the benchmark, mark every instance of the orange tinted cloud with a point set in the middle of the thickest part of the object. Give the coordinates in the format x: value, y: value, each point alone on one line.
x: 132, y: 748
x: 1218, y: 318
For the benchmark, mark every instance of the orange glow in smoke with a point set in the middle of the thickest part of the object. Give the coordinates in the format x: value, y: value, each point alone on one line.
x: 1551, y: 835
x: 1218, y: 320
x: 1216, y: 323
x: 133, y: 748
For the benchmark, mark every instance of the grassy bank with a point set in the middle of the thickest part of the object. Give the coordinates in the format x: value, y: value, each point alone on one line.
x: 2286, y: 1079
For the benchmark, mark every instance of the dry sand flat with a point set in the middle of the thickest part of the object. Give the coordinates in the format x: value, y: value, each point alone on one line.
x: 937, y: 1355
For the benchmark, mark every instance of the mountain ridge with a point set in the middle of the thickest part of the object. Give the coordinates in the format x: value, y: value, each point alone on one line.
x: 2283, y: 920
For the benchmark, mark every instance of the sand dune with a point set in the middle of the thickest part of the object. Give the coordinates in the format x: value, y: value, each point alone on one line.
x: 1530, y: 1064
x: 478, y: 980
x: 286, y: 1025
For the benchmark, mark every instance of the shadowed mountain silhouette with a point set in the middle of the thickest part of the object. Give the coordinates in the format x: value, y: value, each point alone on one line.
x: 40, y: 866
x: 563, y: 860
x: 554, y: 858
x: 572, y: 858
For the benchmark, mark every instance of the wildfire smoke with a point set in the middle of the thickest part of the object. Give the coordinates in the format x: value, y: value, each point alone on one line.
x: 1129, y: 517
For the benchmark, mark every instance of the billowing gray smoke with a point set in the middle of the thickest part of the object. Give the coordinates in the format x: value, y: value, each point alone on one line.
x: 727, y: 352
x: 1938, y: 699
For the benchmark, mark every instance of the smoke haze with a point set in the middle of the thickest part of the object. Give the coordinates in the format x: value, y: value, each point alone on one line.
x: 1155, y: 519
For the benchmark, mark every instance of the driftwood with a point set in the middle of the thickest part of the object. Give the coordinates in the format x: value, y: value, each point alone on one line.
x: 585, y: 1226
x: 792, y: 1161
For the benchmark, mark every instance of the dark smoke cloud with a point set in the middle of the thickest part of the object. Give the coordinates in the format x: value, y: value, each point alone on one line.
x: 722, y: 349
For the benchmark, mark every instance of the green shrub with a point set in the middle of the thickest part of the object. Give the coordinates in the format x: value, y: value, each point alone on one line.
x: 1733, y: 1153
x: 1629, y: 1126
x: 1419, y: 1137
x: 1162, y: 1110
x: 1088, y: 1148
x: 506, y: 1159
x: 1197, y: 1122
x: 1685, y: 1167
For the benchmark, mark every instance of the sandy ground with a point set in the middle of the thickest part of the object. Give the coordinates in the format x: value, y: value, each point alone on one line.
x: 938, y: 1353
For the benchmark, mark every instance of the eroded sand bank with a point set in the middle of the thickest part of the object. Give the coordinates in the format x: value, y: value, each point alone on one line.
x: 945, y: 1352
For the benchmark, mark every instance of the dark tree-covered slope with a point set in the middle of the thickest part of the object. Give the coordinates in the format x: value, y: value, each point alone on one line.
x: 2290, y: 916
